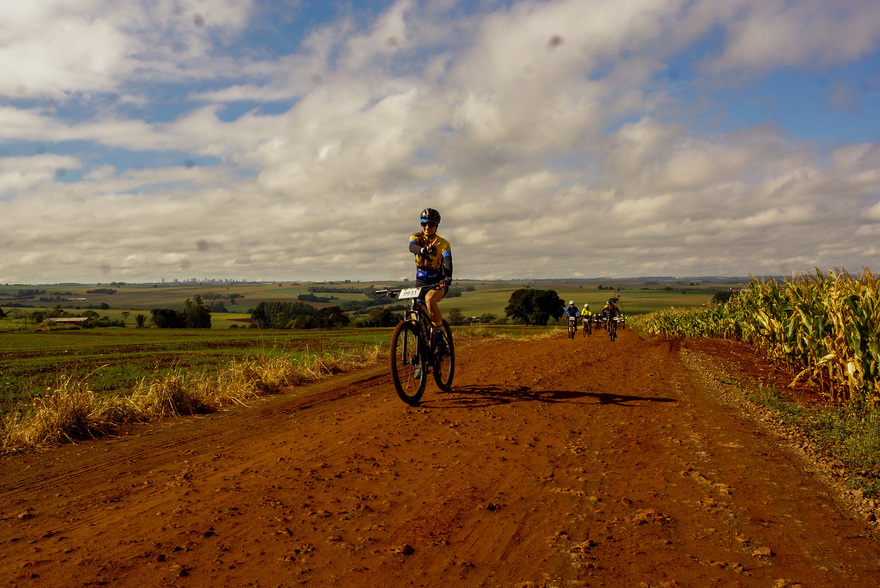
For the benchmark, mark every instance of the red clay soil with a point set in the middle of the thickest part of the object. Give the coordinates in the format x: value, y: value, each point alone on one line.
x: 552, y: 463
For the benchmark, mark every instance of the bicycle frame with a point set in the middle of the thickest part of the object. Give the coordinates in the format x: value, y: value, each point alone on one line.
x: 572, y: 326
x: 418, y: 310
x: 415, y: 349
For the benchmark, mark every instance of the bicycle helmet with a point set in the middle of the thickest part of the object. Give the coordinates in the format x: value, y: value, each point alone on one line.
x: 586, y: 305
x: 430, y: 214
x: 571, y: 302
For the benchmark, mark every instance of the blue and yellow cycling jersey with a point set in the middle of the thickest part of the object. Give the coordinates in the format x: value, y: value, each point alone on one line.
x: 572, y: 311
x: 433, y: 267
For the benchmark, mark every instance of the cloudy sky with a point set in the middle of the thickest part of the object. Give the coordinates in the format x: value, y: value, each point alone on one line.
x: 299, y: 139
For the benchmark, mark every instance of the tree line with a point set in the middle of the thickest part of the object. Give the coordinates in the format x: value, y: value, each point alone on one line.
x: 195, y: 315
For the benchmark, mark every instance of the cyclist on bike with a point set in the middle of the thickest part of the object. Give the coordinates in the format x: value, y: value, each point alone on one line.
x: 572, y: 312
x: 586, y: 315
x: 433, y: 256
x: 611, y: 310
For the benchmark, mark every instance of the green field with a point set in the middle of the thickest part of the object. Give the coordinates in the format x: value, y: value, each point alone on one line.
x: 33, y: 358
x: 478, y: 297
x: 636, y: 297
x: 114, y: 360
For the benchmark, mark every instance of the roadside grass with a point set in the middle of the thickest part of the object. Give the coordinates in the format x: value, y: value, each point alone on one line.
x: 847, y: 433
x: 853, y: 436
x: 116, y: 359
x: 72, y: 410
x: 233, y: 368
x: 785, y: 410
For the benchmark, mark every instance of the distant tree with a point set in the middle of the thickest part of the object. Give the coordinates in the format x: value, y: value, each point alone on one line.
x: 723, y: 296
x: 218, y: 306
x: 196, y: 314
x: 312, y: 298
x: 302, y: 321
x: 2, y: 314
x: 380, y: 317
x: 331, y: 317
x: 104, y: 321
x: 534, y: 307
x: 279, y: 315
x: 140, y: 320
x: 454, y: 317
x: 168, y: 318
x: 125, y: 314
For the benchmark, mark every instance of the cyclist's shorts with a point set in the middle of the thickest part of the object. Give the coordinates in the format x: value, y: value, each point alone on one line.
x: 423, y: 283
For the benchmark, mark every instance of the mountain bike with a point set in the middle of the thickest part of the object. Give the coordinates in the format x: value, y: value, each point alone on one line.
x: 572, y: 326
x: 612, y: 327
x: 415, y: 350
x: 588, y: 326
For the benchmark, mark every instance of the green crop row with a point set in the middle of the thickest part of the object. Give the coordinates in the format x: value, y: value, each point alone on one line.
x: 824, y: 326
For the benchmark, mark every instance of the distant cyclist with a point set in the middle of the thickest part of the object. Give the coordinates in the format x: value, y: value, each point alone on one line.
x: 587, y: 317
x: 611, y: 311
x: 433, y: 256
x: 570, y: 313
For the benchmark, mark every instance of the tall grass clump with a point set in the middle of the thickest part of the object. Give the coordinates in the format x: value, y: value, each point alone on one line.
x: 71, y: 410
x: 68, y: 411
x: 826, y: 327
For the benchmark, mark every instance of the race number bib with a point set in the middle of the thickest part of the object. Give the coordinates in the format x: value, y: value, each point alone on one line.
x: 409, y: 293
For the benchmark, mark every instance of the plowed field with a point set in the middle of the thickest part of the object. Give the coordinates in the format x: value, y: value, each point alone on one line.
x: 552, y: 463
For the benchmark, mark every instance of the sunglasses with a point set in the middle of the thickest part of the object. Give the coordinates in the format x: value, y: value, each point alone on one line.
x: 429, y: 224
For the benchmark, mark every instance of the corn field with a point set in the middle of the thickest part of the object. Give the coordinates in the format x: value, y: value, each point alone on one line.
x: 824, y: 327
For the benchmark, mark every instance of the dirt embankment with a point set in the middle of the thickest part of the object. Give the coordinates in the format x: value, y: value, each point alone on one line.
x: 553, y: 463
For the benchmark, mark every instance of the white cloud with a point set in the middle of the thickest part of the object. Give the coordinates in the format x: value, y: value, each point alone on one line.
x: 547, y: 133
x: 55, y: 48
x: 772, y: 33
x: 21, y: 174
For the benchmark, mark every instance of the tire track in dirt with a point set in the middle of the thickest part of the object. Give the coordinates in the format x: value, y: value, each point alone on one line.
x: 555, y: 462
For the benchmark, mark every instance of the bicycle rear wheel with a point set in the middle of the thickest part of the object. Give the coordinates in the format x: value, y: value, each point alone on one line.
x: 409, y: 370
x: 444, y: 366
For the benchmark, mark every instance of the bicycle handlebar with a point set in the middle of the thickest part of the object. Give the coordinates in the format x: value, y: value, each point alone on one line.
x: 391, y: 292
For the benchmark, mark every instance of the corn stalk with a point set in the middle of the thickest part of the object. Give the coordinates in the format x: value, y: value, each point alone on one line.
x: 825, y: 327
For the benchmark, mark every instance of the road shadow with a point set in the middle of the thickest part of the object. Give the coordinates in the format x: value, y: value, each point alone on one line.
x: 480, y: 396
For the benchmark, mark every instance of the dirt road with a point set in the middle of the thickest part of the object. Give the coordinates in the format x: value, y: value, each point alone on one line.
x: 553, y: 463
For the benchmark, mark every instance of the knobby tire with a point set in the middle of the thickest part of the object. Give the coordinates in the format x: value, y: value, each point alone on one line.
x: 408, y: 359
x: 444, y: 368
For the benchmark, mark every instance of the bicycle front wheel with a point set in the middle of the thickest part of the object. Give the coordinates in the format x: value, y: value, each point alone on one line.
x: 444, y: 363
x: 409, y: 369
